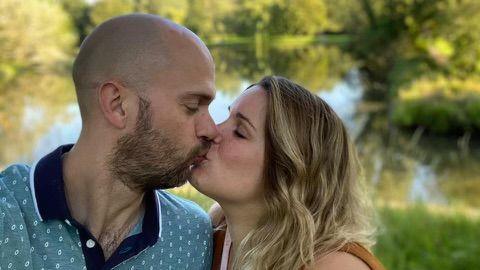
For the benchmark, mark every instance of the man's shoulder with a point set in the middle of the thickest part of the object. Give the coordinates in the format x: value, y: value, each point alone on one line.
x: 173, y: 205
x: 15, y: 178
x: 15, y: 171
x: 14, y: 192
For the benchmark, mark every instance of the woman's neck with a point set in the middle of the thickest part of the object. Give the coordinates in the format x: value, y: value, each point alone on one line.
x: 241, y: 219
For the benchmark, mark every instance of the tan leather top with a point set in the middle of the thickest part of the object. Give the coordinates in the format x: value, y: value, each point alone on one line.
x: 352, y: 248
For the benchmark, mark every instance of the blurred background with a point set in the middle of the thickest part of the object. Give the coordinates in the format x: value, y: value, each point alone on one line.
x: 404, y: 75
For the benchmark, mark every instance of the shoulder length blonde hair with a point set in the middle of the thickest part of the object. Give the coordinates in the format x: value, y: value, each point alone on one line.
x: 314, y: 196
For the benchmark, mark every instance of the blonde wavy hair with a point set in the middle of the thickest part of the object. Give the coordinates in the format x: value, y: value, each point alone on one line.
x: 315, y: 199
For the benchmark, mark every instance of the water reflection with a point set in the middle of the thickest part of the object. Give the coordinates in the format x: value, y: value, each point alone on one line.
x: 317, y: 67
x: 39, y: 112
x: 424, y: 187
x: 29, y: 106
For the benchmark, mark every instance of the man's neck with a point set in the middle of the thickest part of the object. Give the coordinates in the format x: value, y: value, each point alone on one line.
x: 105, y: 206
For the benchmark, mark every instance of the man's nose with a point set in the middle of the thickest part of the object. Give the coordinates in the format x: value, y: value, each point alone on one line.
x: 207, y: 129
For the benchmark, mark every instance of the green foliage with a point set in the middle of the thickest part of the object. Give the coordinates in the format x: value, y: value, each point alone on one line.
x: 79, y: 10
x: 441, y: 105
x: 105, y: 9
x: 212, y: 19
x: 274, y: 17
x: 34, y: 34
x: 206, y: 17
x: 441, y: 36
x: 344, y: 15
x: 190, y: 193
x: 175, y: 10
x: 297, y: 17
x: 416, y: 238
x: 251, y: 16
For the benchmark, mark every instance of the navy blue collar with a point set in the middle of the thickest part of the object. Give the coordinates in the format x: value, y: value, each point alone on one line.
x: 47, y: 187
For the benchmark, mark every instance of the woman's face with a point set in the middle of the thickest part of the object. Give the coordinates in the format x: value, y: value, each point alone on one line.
x: 233, y: 169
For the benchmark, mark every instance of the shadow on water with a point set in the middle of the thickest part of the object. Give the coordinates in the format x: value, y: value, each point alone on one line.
x: 39, y: 112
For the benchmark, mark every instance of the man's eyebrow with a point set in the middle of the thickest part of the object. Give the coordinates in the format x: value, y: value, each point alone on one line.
x: 243, y: 117
x: 200, y: 95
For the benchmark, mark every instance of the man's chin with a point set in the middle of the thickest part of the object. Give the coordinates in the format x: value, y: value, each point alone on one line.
x: 163, y: 186
x: 179, y: 181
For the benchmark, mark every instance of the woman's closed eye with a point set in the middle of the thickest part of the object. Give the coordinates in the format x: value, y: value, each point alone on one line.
x: 238, y: 134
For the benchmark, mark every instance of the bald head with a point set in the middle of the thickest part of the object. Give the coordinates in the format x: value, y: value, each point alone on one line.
x: 131, y: 50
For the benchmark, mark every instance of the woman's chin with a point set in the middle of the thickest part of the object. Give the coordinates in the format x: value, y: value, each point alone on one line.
x: 201, y: 180
x: 198, y: 173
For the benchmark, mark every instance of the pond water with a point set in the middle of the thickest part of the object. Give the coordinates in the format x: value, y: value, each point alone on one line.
x: 39, y: 112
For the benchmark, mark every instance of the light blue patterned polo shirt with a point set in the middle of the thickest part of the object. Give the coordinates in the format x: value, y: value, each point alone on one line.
x: 38, y: 232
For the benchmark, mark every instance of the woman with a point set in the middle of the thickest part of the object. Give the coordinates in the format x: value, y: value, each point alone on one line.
x: 287, y: 179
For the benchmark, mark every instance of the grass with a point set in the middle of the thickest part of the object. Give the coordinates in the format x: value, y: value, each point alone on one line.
x: 416, y: 238
x: 412, y: 237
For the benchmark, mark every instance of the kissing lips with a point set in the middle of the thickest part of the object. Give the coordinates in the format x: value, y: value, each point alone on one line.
x: 198, y: 160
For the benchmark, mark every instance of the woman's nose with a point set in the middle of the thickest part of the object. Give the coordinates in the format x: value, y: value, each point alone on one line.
x: 221, y: 128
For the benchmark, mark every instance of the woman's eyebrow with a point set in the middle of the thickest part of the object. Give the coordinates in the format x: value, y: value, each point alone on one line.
x: 244, y: 118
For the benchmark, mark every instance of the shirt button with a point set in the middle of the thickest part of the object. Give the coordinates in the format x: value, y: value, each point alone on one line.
x: 90, y: 243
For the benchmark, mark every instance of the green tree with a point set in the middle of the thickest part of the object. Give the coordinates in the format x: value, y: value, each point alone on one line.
x: 277, y: 17
x: 251, y: 16
x: 175, y: 10
x: 206, y: 17
x: 34, y: 34
x: 105, y: 9
x: 425, y: 35
x: 297, y: 17
x: 79, y: 10
x: 401, y: 41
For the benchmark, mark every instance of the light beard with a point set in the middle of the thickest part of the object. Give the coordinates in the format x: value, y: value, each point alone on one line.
x: 148, y: 159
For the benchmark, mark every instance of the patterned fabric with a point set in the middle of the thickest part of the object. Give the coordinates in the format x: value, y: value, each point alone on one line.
x: 27, y: 241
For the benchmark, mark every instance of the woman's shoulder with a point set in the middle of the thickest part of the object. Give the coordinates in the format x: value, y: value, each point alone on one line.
x: 351, y: 256
x: 340, y: 260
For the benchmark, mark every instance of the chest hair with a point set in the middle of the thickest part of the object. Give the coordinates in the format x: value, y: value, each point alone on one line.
x: 111, y: 239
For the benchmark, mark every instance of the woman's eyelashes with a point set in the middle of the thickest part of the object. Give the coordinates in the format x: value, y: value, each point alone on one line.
x: 238, y: 134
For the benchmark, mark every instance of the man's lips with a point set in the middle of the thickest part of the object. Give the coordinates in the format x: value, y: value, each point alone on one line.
x: 200, y: 158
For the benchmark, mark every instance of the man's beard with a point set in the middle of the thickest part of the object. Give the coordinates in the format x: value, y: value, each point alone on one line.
x: 148, y: 159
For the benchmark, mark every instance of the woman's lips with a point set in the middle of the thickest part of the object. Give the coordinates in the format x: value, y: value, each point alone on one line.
x: 197, y: 161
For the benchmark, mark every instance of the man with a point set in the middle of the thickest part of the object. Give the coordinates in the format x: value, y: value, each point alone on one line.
x: 143, y: 86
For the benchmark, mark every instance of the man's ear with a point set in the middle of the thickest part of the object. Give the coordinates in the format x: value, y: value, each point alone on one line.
x: 111, y: 97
